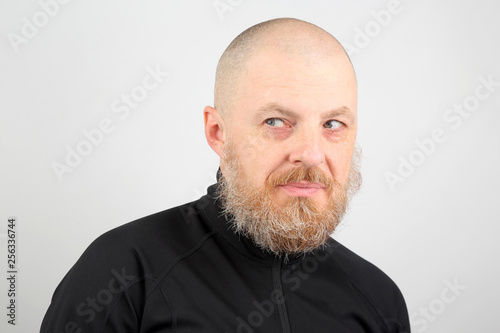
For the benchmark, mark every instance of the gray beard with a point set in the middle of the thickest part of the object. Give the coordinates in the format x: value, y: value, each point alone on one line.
x: 299, y: 227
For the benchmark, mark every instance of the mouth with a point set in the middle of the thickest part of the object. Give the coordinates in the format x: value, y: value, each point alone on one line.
x: 302, y: 188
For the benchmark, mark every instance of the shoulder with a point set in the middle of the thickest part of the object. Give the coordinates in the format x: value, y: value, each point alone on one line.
x: 108, y: 285
x: 152, y: 241
x: 378, y: 290
x: 359, y: 270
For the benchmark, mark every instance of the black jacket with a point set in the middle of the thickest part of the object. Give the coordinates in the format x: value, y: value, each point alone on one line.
x: 185, y: 270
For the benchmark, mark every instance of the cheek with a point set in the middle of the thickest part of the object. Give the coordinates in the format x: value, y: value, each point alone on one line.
x: 258, y: 160
x: 339, y: 162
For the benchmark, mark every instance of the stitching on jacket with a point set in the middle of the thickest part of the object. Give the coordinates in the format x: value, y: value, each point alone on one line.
x: 157, y: 281
x: 349, y: 280
x: 111, y: 309
x: 179, y: 259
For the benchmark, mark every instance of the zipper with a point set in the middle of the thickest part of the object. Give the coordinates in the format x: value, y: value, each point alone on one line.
x: 278, y: 288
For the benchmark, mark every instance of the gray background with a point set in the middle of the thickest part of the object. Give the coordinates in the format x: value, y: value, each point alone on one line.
x: 436, y: 228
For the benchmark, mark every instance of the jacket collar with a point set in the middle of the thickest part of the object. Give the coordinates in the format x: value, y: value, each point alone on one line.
x: 224, y: 227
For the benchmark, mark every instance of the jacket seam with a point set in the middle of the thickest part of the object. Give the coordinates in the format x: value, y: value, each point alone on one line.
x: 171, y: 307
x: 111, y: 309
x: 156, y: 282
x: 177, y: 260
x: 365, y: 297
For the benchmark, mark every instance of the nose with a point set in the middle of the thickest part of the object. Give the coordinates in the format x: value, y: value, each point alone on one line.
x: 307, y: 149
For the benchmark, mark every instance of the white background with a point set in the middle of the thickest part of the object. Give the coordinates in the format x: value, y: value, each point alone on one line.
x: 438, y: 227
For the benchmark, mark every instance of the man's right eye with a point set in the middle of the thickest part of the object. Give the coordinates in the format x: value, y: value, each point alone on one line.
x: 275, y: 122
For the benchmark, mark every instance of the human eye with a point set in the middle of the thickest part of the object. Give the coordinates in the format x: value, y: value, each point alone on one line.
x: 275, y: 122
x: 333, y: 124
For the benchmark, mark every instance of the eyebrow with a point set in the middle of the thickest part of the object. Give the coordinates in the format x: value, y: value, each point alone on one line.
x: 275, y: 107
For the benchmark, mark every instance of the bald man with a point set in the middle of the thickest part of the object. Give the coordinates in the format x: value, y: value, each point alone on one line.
x: 255, y: 253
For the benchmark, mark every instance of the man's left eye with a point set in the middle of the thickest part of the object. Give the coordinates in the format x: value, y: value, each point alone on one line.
x: 333, y: 124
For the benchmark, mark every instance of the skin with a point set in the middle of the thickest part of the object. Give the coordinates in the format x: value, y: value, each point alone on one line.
x: 293, y: 106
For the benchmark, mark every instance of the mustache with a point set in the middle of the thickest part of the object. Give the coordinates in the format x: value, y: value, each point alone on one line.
x: 313, y: 175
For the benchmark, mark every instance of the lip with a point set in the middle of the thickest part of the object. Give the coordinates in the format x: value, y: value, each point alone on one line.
x: 302, y: 189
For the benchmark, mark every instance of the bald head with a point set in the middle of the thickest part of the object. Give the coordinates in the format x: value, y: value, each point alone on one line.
x: 293, y: 38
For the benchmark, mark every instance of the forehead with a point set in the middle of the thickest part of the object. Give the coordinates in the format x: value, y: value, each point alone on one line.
x: 307, y: 82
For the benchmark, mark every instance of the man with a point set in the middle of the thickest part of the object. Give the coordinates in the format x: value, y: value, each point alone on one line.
x: 255, y: 253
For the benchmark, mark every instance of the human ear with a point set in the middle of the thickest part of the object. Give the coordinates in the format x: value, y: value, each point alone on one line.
x: 214, y: 129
